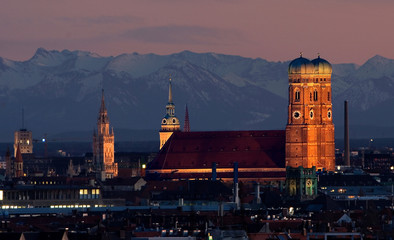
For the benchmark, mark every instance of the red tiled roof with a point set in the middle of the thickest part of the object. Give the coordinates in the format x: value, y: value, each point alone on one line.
x: 198, y: 150
x: 261, y: 149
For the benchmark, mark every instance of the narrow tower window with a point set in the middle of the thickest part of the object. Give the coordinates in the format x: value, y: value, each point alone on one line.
x: 328, y: 96
x: 297, y: 95
x: 310, y: 97
x: 315, y: 95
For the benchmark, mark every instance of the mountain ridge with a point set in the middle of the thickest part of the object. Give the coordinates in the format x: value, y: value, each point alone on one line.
x: 60, y: 91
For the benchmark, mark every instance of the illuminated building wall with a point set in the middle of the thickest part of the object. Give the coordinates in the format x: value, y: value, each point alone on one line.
x: 24, y: 138
x: 310, y: 130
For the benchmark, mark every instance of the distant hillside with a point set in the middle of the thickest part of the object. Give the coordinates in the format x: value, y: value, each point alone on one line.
x: 60, y: 92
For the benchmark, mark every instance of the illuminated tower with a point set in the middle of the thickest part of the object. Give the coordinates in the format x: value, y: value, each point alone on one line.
x: 103, y: 145
x: 24, y: 139
x: 309, y: 130
x: 169, y: 123
x: 186, y: 126
x: 18, y: 164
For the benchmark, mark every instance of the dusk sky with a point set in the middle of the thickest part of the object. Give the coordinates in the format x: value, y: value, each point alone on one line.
x: 341, y: 31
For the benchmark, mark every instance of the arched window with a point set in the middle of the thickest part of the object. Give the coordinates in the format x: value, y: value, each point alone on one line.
x: 297, y: 95
x: 315, y: 95
x: 328, y: 96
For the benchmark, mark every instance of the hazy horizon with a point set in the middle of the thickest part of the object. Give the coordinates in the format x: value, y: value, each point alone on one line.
x: 341, y: 31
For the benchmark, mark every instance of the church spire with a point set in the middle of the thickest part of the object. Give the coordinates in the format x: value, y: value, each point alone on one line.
x: 170, y: 123
x: 18, y: 164
x: 103, y: 145
x: 102, y: 107
x: 186, y: 126
x: 18, y: 157
x: 103, y: 116
x: 170, y: 92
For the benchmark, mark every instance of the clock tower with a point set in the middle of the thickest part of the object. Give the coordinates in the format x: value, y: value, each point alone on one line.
x: 310, y: 130
x: 103, y: 146
x: 170, y: 123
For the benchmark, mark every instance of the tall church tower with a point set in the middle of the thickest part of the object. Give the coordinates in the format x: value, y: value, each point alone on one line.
x: 309, y: 130
x: 170, y: 123
x: 103, y: 146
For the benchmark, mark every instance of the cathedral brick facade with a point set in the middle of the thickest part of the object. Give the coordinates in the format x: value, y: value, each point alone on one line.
x: 310, y: 130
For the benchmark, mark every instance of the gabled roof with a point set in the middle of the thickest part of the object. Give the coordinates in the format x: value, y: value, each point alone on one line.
x: 251, y: 149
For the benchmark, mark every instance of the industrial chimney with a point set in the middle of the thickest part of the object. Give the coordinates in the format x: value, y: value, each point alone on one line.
x: 347, y: 145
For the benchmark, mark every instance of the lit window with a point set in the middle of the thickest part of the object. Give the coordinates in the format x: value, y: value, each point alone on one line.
x: 341, y: 190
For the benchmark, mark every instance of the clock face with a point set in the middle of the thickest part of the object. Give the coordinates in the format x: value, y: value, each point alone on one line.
x: 308, y: 183
x: 292, y: 182
x: 164, y: 121
x: 311, y: 113
x: 329, y: 114
x: 296, y: 114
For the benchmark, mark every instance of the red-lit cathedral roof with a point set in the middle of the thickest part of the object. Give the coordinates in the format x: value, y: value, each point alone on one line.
x: 260, y: 154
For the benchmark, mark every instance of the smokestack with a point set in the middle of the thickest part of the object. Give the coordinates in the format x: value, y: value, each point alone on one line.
x: 214, y: 175
x: 236, y: 196
x: 347, y: 145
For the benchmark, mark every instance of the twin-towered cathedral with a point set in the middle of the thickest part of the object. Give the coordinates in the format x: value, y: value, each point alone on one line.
x: 293, y: 154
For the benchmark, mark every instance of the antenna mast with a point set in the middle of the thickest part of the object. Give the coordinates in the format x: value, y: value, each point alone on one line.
x: 23, y: 118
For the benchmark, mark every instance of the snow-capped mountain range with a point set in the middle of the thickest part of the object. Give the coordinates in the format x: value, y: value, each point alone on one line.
x: 61, y: 92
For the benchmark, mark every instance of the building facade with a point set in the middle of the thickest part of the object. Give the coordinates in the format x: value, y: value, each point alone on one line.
x: 310, y: 130
x: 103, y: 146
x: 170, y: 123
x: 24, y: 139
x: 301, y: 183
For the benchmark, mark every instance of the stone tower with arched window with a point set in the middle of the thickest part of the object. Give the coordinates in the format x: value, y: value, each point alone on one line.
x: 310, y: 130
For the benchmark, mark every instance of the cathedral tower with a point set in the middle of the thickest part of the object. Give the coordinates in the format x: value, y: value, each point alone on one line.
x: 103, y: 145
x: 309, y: 130
x: 170, y: 123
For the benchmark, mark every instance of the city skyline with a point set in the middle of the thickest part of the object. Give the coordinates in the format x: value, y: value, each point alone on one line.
x: 343, y: 31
